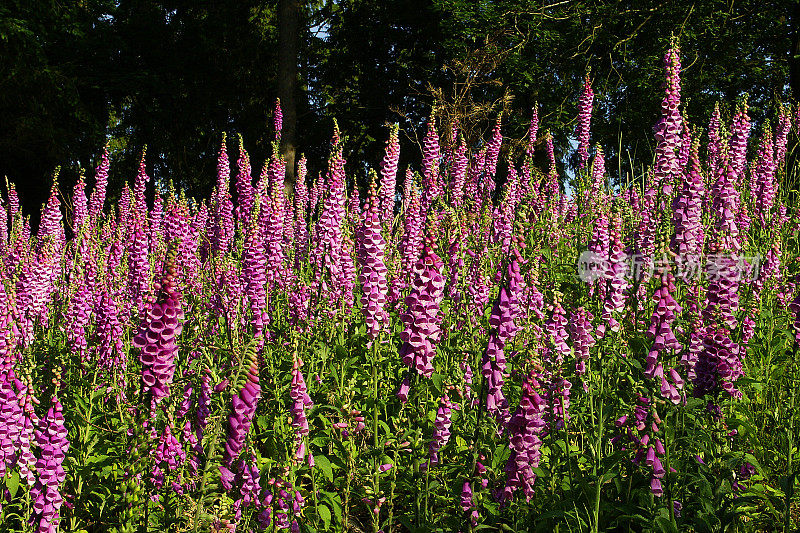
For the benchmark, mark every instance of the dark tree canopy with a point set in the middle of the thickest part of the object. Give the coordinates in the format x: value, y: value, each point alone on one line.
x: 175, y: 74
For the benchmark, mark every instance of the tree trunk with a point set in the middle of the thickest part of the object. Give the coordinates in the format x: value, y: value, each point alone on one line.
x: 288, y: 37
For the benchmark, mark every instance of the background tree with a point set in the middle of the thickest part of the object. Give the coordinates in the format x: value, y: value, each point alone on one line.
x: 175, y: 74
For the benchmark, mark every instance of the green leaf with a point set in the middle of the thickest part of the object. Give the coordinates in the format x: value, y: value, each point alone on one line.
x: 325, y: 515
x: 437, y: 380
x: 12, y: 483
x: 665, y: 525
x: 325, y: 465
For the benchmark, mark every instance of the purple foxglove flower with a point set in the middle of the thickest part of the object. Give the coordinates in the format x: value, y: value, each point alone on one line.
x: 466, y: 497
x: 763, y: 183
x: 459, y: 174
x: 328, y: 242
x: 655, y: 487
x: 582, y: 338
x: 740, y: 133
x: 687, y: 208
x: 300, y: 215
x: 660, y: 331
x: 667, y: 169
x: 402, y: 393
x: 243, y: 409
x: 617, y: 283
x: 51, y: 436
x: 159, y: 330
x: 782, y: 133
x: 222, y: 224
x: 714, y: 141
x: 441, y: 431
x: 411, y: 245
x: 301, y: 401
x: 476, y: 169
x: 373, y: 269
x: 493, y: 150
x: 254, y: 266
x: 422, y: 318
x: 244, y: 186
x: 389, y: 176
x: 277, y: 119
x: 584, y: 122
x: 80, y: 208
x: 272, y: 224
x: 505, y: 311
x: 98, y: 197
x: 249, y: 477
x: 431, y: 185
x: 526, y: 428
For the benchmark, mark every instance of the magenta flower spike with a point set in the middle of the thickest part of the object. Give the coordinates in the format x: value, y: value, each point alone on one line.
x: 714, y: 141
x: 719, y: 362
x: 98, y: 197
x: 373, y: 275
x: 301, y: 402
x: 277, y: 119
x: 328, y: 240
x: 459, y: 174
x: 687, y: 209
x: 222, y: 205
x: 389, y: 176
x: 525, y: 429
x: 422, y: 318
x: 505, y: 311
x: 159, y: 330
x: 616, y: 276
x: 493, y: 150
x: 245, y: 192
x: 431, y: 186
x: 51, y: 436
x: 667, y: 169
x: 582, y: 338
x: 584, y: 121
x: 243, y: 408
x: 140, y: 188
x: 51, y: 227
x: 763, y: 182
x: 740, y: 133
x: 80, y: 207
x: 254, y: 265
x: 441, y: 430
x: 411, y: 245
x: 300, y: 215
x: 476, y: 170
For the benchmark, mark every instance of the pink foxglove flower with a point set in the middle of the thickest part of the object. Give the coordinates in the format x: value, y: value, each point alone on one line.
x: 45, y: 494
x: 584, y: 122
x: 158, y: 333
x: 389, y: 176
x: 373, y: 269
x: 422, y: 318
x: 241, y: 416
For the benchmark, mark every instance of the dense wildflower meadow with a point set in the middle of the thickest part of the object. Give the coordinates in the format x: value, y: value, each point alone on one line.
x: 456, y: 349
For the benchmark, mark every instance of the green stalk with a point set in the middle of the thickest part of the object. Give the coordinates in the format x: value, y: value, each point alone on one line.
x: 391, y: 494
x: 789, y: 490
x: 597, y: 450
x: 376, y: 458
x: 209, y: 454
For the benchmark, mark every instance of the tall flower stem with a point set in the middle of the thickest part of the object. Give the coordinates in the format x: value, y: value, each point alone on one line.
x: 376, y: 355
x: 599, y: 422
x: 789, y: 489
